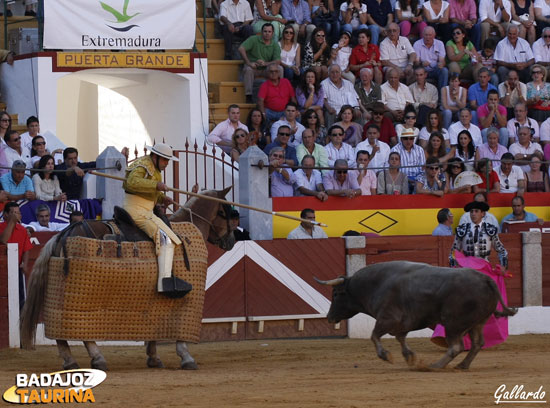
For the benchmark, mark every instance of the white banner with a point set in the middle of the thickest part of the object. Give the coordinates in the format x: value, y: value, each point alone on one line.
x: 119, y: 24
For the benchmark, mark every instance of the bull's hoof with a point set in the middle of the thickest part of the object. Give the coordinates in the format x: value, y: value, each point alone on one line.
x: 189, y: 365
x: 386, y: 356
x: 410, y: 359
x: 462, y: 366
x: 71, y: 366
x: 99, y: 363
x: 154, y: 363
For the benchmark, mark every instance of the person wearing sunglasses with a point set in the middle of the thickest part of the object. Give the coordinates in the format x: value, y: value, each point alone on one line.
x: 408, y: 126
x: 241, y: 141
x: 541, y: 47
x: 538, y: 94
x: 5, y: 127
x: 432, y: 181
x: 337, y: 148
x: 298, y: 16
x: 282, y: 141
x: 512, y: 178
x: 413, y: 159
x: 15, y: 149
x: 290, y: 54
x: 280, y: 175
x: 341, y: 182
x: 385, y: 125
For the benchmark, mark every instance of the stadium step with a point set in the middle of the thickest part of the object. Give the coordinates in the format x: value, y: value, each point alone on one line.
x: 209, y: 28
x: 214, y: 48
x: 220, y: 70
x: 227, y: 92
x: 15, y: 22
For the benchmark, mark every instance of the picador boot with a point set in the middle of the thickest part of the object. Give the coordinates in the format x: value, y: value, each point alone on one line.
x: 168, y: 284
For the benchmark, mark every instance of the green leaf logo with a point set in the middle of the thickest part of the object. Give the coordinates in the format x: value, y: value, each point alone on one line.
x: 120, y: 17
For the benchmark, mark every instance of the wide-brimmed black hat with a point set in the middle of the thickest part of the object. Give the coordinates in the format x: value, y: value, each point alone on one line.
x: 476, y: 205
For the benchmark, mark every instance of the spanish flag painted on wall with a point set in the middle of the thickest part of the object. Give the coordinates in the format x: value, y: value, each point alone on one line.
x: 394, y: 214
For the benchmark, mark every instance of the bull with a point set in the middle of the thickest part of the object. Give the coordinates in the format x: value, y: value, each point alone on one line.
x: 405, y: 296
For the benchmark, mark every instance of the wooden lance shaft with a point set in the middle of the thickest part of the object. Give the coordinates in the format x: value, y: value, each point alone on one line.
x: 219, y: 200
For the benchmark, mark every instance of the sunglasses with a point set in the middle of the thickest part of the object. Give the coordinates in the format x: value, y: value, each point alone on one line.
x: 546, y: 36
x: 44, y: 143
x: 16, y: 140
x: 433, y: 168
x: 456, y: 167
x: 341, y: 172
x: 319, y: 35
x: 377, y: 113
x: 277, y: 156
x: 407, y: 138
x: 289, y: 32
x: 5, y: 120
x: 337, y: 134
x: 537, y: 72
x: 507, y: 184
x: 457, y: 32
x: 237, y: 136
x: 283, y: 134
x: 410, y: 117
x: 313, y: 117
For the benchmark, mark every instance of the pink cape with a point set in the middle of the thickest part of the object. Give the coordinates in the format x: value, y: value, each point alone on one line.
x: 495, y: 330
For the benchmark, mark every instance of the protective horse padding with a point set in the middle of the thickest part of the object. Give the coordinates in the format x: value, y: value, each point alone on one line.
x: 108, y: 298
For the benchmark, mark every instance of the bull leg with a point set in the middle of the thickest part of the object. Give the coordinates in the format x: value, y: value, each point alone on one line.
x: 153, y: 361
x: 409, y: 355
x: 380, y: 351
x: 69, y: 363
x: 455, y: 348
x: 476, y: 336
x: 187, y: 361
x: 98, y: 361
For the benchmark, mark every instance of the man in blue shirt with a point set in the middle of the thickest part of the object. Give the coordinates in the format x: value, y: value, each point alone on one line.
x: 72, y: 180
x: 519, y: 213
x: 477, y: 93
x: 445, y: 220
x: 16, y: 184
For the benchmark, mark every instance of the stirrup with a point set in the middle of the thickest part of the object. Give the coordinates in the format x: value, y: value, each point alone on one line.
x: 175, y: 288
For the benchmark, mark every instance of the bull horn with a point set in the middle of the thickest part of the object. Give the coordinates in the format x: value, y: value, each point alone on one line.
x: 333, y: 282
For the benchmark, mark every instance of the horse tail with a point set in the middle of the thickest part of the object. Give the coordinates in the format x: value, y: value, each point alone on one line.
x: 35, y: 295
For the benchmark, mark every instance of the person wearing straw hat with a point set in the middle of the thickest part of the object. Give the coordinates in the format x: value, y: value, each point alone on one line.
x: 144, y: 188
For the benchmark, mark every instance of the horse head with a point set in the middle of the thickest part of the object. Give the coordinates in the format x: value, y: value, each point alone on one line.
x: 210, y: 217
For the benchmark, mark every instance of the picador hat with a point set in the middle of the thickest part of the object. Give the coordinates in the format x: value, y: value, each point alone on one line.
x: 479, y: 205
x: 162, y: 150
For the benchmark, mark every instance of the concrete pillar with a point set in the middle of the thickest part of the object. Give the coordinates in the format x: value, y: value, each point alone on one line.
x: 354, y: 262
x: 254, y: 191
x: 532, y: 268
x: 108, y: 189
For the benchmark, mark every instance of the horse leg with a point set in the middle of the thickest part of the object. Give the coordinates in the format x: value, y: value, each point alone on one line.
x: 153, y: 361
x: 69, y: 363
x: 98, y: 361
x: 187, y: 361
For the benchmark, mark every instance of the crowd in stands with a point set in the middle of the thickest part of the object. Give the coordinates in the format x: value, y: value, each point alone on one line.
x: 393, y: 97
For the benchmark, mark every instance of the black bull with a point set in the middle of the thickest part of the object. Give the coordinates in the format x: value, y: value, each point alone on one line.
x: 406, y: 296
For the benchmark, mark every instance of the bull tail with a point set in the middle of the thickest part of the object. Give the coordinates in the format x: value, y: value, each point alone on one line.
x: 506, y: 311
x: 36, y: 295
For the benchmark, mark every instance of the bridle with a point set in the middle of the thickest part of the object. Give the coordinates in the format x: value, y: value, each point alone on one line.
x: 225, y: 214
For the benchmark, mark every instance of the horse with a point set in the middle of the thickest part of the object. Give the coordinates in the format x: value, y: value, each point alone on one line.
x: 210, y: 217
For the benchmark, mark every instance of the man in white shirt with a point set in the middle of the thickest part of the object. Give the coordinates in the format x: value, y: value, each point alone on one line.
x: 464, y: 123
x: 425, y: 95
x: 397, y: 52
x: 33, y: 129
x: 524, y: 150
x: 223, y: 132
x: 235, y: 19
x: 309, y: 181
x: 43, y: 221
x: 379, y: 151
x: 545, y: 132
x: 520, y: 119
x: 514, y: 53
x: 512, y: 178
x: 494, y: 16
x: 307, y: 230
x: 541, y: 48
x: 395, y: 96
x: 15, y: 150
x: 338, y: 92
x: 511, y: 92
x: 296, y: 128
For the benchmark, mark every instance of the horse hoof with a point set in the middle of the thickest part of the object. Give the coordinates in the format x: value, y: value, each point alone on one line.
x: 99, y: 363
x: 154, y: 363
x: 189, y: 365
x: 71, y: 366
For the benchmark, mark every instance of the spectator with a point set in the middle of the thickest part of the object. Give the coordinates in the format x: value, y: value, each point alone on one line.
x: 387, y: 129
x: 46, y: 184
x: 491, y: 182
x: 463, y: 14
x: 477, y: 93
x: 76, y: 216
x: 379, y: 17
x: 340, y: 55
x: 523, y: 16
x: 412, y: 157
x: 353, y: 15
x: 436, y: 14
x: 445, y: 226
x: 338, y: 92
x: 378, y: 151
x: 241, y: 141
x: 393, y: 181
x: 453, y: 99
x: 408, y: 125
x: 436, y: 148
x: 274, y: 95
x: 488, y: 59
x: 352, y: 130
x: 455, y: 166
x: 283, y: 136
x: 235, y: 19
x: 513, y: 53
x: 464, y: 123
x: 239, y: 233
x: 434, y: 123
x: 494, y: 16
x: 512, y: 179
x: 281, y: 176
x: 491, y: 114
x: 489, y: 218
x: 466, y: 150
x: 430, y: 53
x: 309, y: 147
x: 297, y: 14
x: 491, y: 150
x: 395, y: 96
x: 71, y: 181
x: 520, y: 119
x: 259, y: 51
x: 307, y: 230
x: 290, y: 53
x: 4, y: 168
x: 340, y: 182
x: 462, y: 56
x: 5, y: 127
x: 368, y: 91
x: 310, y: 94
x: 337, y: 149
x: 296, y: 128
x: 309, y: 181
x: 365, y: 177
x: 33, y: 128
x: 541, y: 47
x: 545, y: 137
x: 424, y: 94
x: 538, y: 94
x: 397, y: 52
x: 519, y: 213
x: 271, y: 14
x: 43, y: 223
x: 39, y: 150
x: 324, y: 15
x: 311, y: 121
x: 14, y: 150
x: 523, y: 150
x: 409, y: 15
x: 255, y: 122
x: 16, y: 184
x: 542, y: 17
x: 366, y: 55
x: 536, y: 180
x: 222, y: 134
x: 317, y: 54
x: 432, y: 180
x: 512, y: 92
